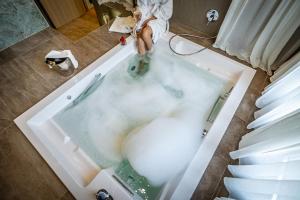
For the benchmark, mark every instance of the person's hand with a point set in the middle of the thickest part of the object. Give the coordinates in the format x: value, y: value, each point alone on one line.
x: 137, y: 15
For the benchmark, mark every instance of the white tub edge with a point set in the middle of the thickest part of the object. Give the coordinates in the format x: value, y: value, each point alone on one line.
x: 185, y: 188
x: 198, y: 165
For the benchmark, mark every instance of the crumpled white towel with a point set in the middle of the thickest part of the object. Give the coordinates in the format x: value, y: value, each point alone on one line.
x: 63, y: 54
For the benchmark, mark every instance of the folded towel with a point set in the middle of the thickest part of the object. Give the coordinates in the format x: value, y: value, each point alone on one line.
x: 122, y: 25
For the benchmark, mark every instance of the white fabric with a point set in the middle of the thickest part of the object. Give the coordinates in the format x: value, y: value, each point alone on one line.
x: 282, y: 134
x: 63, y: 54
x: 270, y: 154
x: 284, y: 155
x: 281, y: 171
x: 253, y: 189
x: 141, y: 148
x: 285, y: 67
x: 277, y: 109
x: 279, y: 98
x: 161, y: 9
x: 256, y: 31
x: 158, y: 27
x: 122, y: 25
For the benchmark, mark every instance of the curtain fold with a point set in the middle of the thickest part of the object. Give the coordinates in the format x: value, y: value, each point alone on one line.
x: 285, y: 67
x: 269, y: 155
x: 280, y: 171
x: 291, y: 153
x: 255, y: 189
x: 257, y: 31
x: 281, y: 97
x: 281, y: 134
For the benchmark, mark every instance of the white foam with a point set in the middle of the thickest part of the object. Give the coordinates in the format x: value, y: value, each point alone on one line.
x: 162, y: 148
x: 169, y: 104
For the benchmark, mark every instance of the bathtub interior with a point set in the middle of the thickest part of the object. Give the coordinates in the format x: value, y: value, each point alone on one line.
x: 101, y: 122
x: 194, y: 83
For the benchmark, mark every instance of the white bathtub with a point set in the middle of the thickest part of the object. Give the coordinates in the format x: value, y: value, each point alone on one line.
x: 79, y: 173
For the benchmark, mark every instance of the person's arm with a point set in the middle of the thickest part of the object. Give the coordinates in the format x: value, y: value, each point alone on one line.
x: 137, y: 14
x: 147, y: 20
x: 164, y: 10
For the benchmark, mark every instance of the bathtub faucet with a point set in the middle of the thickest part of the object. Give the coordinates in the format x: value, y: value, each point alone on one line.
x: 102, y: 194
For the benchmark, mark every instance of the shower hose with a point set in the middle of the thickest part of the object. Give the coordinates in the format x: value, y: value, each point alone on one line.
x: 188, y: 35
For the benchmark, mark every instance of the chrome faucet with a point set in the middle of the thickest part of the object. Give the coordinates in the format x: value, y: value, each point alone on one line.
x: 102, y: 194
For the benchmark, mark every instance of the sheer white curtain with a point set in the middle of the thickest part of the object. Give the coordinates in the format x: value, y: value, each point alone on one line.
x: 269, y: 156
x: 257, y: 30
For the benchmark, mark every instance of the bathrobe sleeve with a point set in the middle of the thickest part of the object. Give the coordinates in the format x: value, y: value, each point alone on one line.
x: 164, y: 10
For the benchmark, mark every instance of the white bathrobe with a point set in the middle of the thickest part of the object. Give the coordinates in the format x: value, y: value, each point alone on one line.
x: 161, y: 9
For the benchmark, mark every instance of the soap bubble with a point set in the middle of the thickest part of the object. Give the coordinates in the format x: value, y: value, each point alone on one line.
x: 161, y: 149
x: 154, y: 121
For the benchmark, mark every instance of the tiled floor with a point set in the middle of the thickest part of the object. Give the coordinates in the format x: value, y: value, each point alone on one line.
x: 25, y: 79
x: 80, y: 26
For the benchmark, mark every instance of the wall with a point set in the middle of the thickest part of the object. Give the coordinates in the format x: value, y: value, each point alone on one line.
x: 19, y: 19
x: 193, y: 13
x: 61, y: 12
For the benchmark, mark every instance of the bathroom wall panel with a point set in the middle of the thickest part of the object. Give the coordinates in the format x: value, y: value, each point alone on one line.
x: 193, y: 13
x: 63, y: 11
x: 19, y: 19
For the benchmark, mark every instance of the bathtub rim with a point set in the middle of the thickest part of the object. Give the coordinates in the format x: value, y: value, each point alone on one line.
x: 185, y: 188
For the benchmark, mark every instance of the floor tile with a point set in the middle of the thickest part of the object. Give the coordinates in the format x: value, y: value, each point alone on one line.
x: 36, y: 60
x: 231, y: 138
x: 6, y: 116
x: 81, y: 26
x: 67, y: 196
x: 258, y: 81
x: 95, y: 40
x: 221, y: 190
x: 31, y: 42
x: 23, y: 173
x: 21, y: 87
x: 110, y: 38
x: 91, y: 48
x: 211, y: 178
x: 26, y: 45
x: 247, y: 106
x: 6, y: 55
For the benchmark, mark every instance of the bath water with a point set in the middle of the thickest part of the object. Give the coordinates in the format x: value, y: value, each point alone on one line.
x: 149, y: 123
x: 138, y: 184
